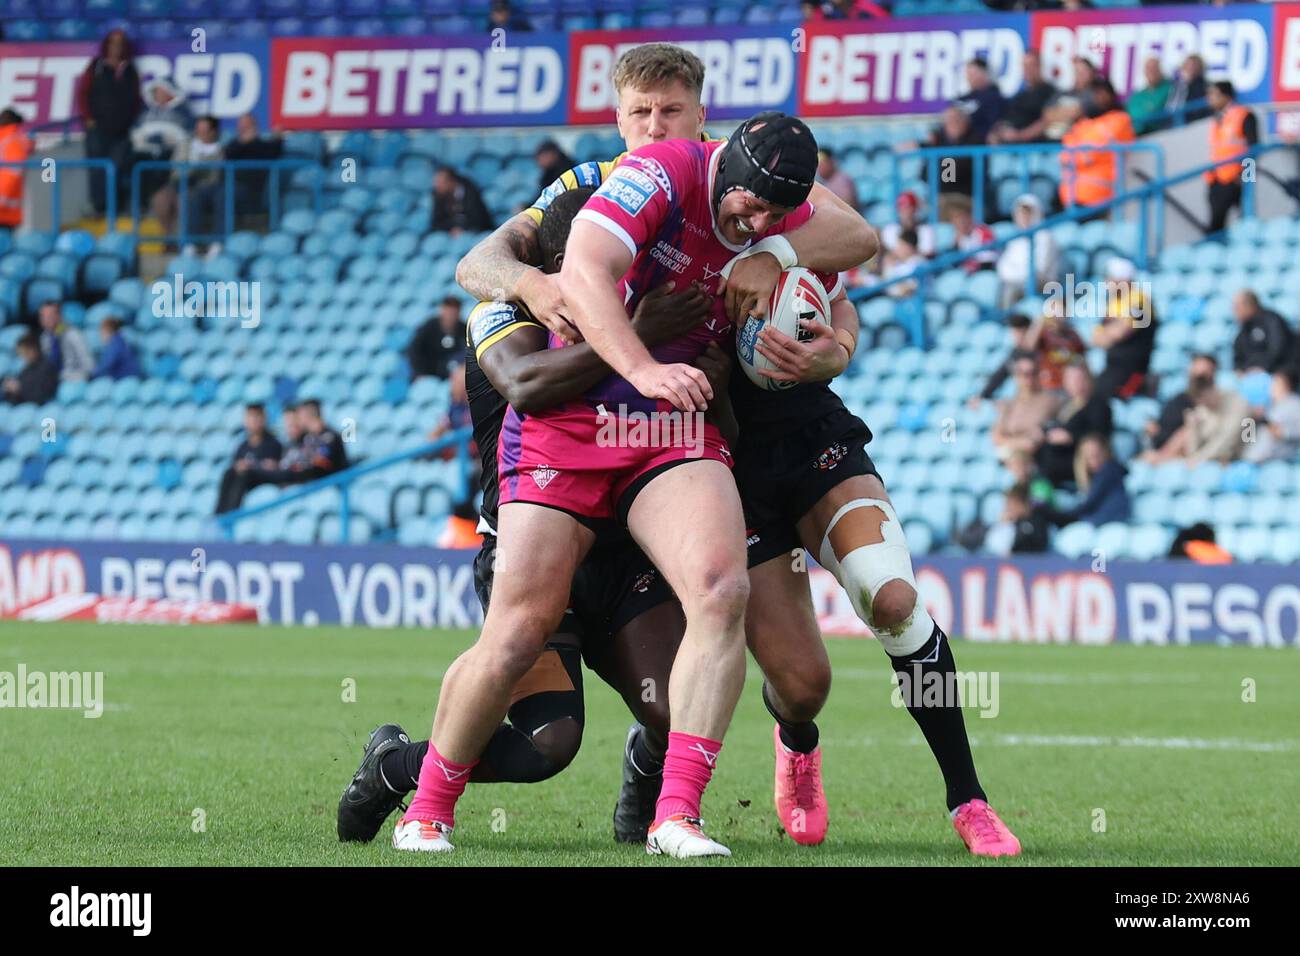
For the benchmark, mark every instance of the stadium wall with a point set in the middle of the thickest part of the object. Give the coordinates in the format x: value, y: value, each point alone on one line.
x: 1033, y: 600
x: 819, y: 69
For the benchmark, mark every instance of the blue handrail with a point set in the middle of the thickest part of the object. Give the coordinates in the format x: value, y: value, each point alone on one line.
x: 228, y: 167
x: 56, y: 184
x: 931, y: 156
x: 1149, y: 193
x: 460, y: 439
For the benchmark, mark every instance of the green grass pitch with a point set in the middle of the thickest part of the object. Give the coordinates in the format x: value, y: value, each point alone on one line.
x: 248, y: 725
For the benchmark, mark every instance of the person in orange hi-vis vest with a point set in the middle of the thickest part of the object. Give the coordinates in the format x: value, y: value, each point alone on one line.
x: 1233, y: 130
x: 1088, y: 178
x: 15, y: 147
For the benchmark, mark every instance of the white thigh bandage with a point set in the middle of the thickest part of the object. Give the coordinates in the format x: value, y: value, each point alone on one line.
x: 865, y: 570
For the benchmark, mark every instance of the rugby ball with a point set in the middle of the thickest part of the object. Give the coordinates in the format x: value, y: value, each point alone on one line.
x: 799, y: 294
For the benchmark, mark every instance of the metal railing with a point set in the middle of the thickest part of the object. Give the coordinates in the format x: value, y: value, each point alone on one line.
x: 229, y: 167
x: 57, y: 166
x: 932, y: 156
x: 460, y: 440
x: 1151, y: 193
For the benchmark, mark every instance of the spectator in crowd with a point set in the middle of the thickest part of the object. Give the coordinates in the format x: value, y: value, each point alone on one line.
x: 1084, y: 413
x: 108, y: 102
x: 15, y: 147
x: 1146, y: 106
x: 1021, y: 418
x: 971, y: 235
x: 1023, y: 468
x: 956, y: 173
x: 257, y: 454
x: 250, y: 184
x: 1022, y: 119
x: 1055, y: 342
x: 835, y: 179
x: 1022, y: 528
x: 1018, y: 328
x: 63, y: 345
x: 1277, y: 437
x: 908, y: 207
x: 552, y: 163
x: 1100, y: 478
x: 37, y: 381
x: 1264, y: 339
x: 1216, y: 425
x: 1189, y: 86
x: 457, y: 204
x: 1233, y: 130
x: 1013, y: 263
x: 117, y: 360
x: 166, y: 123
x: 983, y: 102
x: 501, y: 16
x: 1196, y: 542
x: 1067, y: 106
x: 1089, y: 178
x: 205, y: 200
x: 809, y: 10
x: 322, y: 446
x: 1213, y: 430
x: 162, y: 129
x: 438, y: 345
x: 1173, y: 413
x: 1127, y: 332
x: 902, y: 260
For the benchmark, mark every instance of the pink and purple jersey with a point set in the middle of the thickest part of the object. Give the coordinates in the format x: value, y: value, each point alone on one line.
x: 659, y: 202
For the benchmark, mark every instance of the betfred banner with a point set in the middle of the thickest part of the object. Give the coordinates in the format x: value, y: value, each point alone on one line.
x: 1286, y: 52
x: 1030, y: 600
x: 1233, y: 41
x: 396, y: 82
x: 746, y: 69
x: 227, y: 79
x: 913, y: 65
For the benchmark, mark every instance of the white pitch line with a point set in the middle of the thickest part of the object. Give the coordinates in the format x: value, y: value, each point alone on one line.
x: 1077, y: 740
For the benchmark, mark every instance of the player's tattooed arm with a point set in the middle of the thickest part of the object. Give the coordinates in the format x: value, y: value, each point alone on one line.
x: 502, y: 268
x: 498, y: 268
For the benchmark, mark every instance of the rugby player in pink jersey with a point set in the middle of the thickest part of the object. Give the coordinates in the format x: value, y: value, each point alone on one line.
x: 558, y: 480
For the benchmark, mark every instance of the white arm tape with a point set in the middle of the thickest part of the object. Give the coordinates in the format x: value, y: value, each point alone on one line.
x: 778, y: 246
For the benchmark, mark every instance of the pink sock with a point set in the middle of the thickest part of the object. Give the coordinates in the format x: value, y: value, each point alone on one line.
x: 687, y: 769
x: 441, y: 784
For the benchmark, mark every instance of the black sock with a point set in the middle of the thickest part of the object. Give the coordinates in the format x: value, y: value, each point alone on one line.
x: 943, y: 726
x: 401, y: 766
x: 511, y: 755
x: 647, y: 761
x: 801, y: 736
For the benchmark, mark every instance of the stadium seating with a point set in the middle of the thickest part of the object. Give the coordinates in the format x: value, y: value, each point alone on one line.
x: 344, y: 286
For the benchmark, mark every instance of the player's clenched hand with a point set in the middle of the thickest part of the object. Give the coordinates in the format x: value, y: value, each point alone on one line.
x: 541, y: 294
x: 684, y: 386
x: 819, y: 359
x: 749, y: 286
x: 665, y: 314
